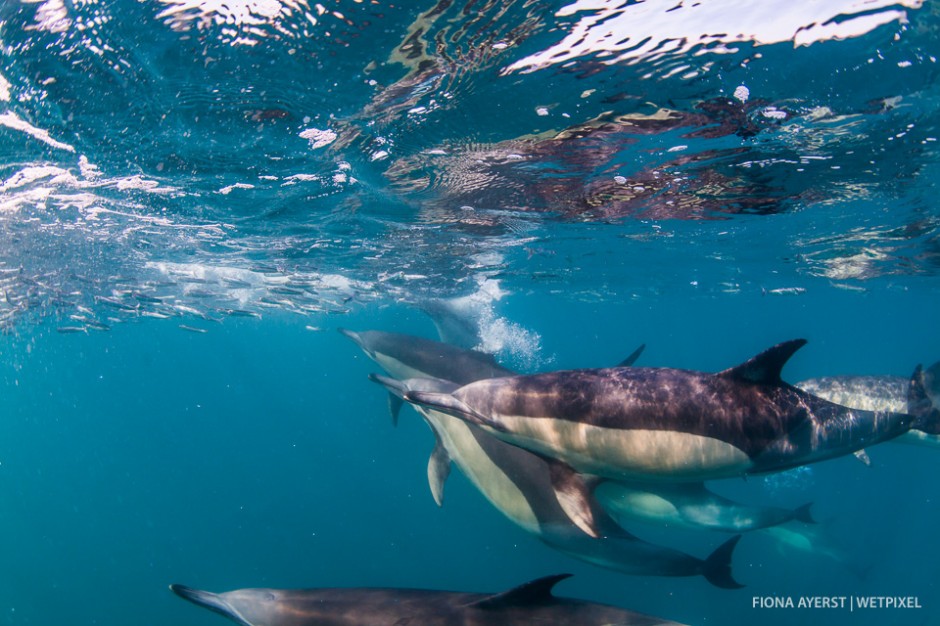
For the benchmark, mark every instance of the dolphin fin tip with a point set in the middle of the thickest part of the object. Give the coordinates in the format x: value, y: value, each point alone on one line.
x: 717, y: 566
x: 803, y: 514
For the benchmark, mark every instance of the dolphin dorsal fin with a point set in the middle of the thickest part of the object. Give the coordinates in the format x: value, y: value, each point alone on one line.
x: 538, y: 591
x: 630, y: 360
x: 765, y: 368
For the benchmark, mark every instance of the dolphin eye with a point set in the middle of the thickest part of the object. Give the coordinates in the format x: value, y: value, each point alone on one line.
x: 270, y: 597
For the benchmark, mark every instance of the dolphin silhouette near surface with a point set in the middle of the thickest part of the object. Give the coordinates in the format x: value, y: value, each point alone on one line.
x: 635, y: 423
x: 527, y: 604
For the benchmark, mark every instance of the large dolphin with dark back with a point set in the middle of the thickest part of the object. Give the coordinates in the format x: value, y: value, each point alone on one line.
x: 531, y: 603
x: 638, y: 423
x: 514, y: 480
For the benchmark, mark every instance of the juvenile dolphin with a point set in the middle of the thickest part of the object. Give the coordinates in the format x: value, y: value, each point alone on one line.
x: 690, y: 505
x: 878, y: 393
x: 531, y: 603
x: 669, y: 424
x: 514, y: 480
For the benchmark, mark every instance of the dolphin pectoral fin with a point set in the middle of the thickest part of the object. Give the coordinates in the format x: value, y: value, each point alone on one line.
x: 765, y: 368
x: 717, y: 566
x: 396, y: 389
x: 862, y: 456
x: 630, y: 360
x: 438, y: 469
x: 532, y: 593
x: 574, y: 495
x: 394, y: 407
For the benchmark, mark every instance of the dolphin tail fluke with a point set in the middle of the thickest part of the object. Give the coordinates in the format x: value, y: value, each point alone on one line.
x: 803, y: 514
x: 573, y: 492
x: 920, y: 406
x: 717, y: 567
x: 438, y: 469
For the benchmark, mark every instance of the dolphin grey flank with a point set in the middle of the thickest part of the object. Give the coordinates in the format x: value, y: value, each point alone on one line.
x: 531, y: 603
x: 667, y: 424
x: 879, y: 393
x: 690, y: 505
x: 514, y: 480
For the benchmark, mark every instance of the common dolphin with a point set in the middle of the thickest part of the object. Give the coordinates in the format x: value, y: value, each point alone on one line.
x: 518, y: 484
x: 531, y: 603
x: 878, y: 393
x: 514, y: 480
x: 639, y: 423
x: 690, y: 505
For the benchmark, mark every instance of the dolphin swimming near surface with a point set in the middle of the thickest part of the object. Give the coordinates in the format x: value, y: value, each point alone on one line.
x: 407, y: 356
x: 691, y: 506
x: 668, y: 424
x: 514, y: 480
x: 527, y: 604
x: 879, y: 393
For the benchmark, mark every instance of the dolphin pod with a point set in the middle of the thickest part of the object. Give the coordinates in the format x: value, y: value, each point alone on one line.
x: 531, y: 603
x: 514, y: 480
x: 669, y: 424
x: 517, y: 483
x: 690, y: 505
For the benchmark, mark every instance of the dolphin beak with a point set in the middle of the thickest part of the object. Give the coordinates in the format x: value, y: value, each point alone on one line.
x: 208, y: 600
x: 352, y: 335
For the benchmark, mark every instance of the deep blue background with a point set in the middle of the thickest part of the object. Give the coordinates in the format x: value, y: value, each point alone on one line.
x: 258, y: 454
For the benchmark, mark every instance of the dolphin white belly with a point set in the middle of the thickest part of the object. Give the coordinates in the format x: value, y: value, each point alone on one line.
x: 627, y: 453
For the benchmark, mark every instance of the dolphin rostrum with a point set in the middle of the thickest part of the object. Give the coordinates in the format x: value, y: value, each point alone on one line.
x: 514, y: 480
x: 530, y: 603
x: 639, y: 423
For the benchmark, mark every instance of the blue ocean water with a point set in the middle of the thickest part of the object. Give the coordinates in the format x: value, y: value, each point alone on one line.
x: 195, y: 195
